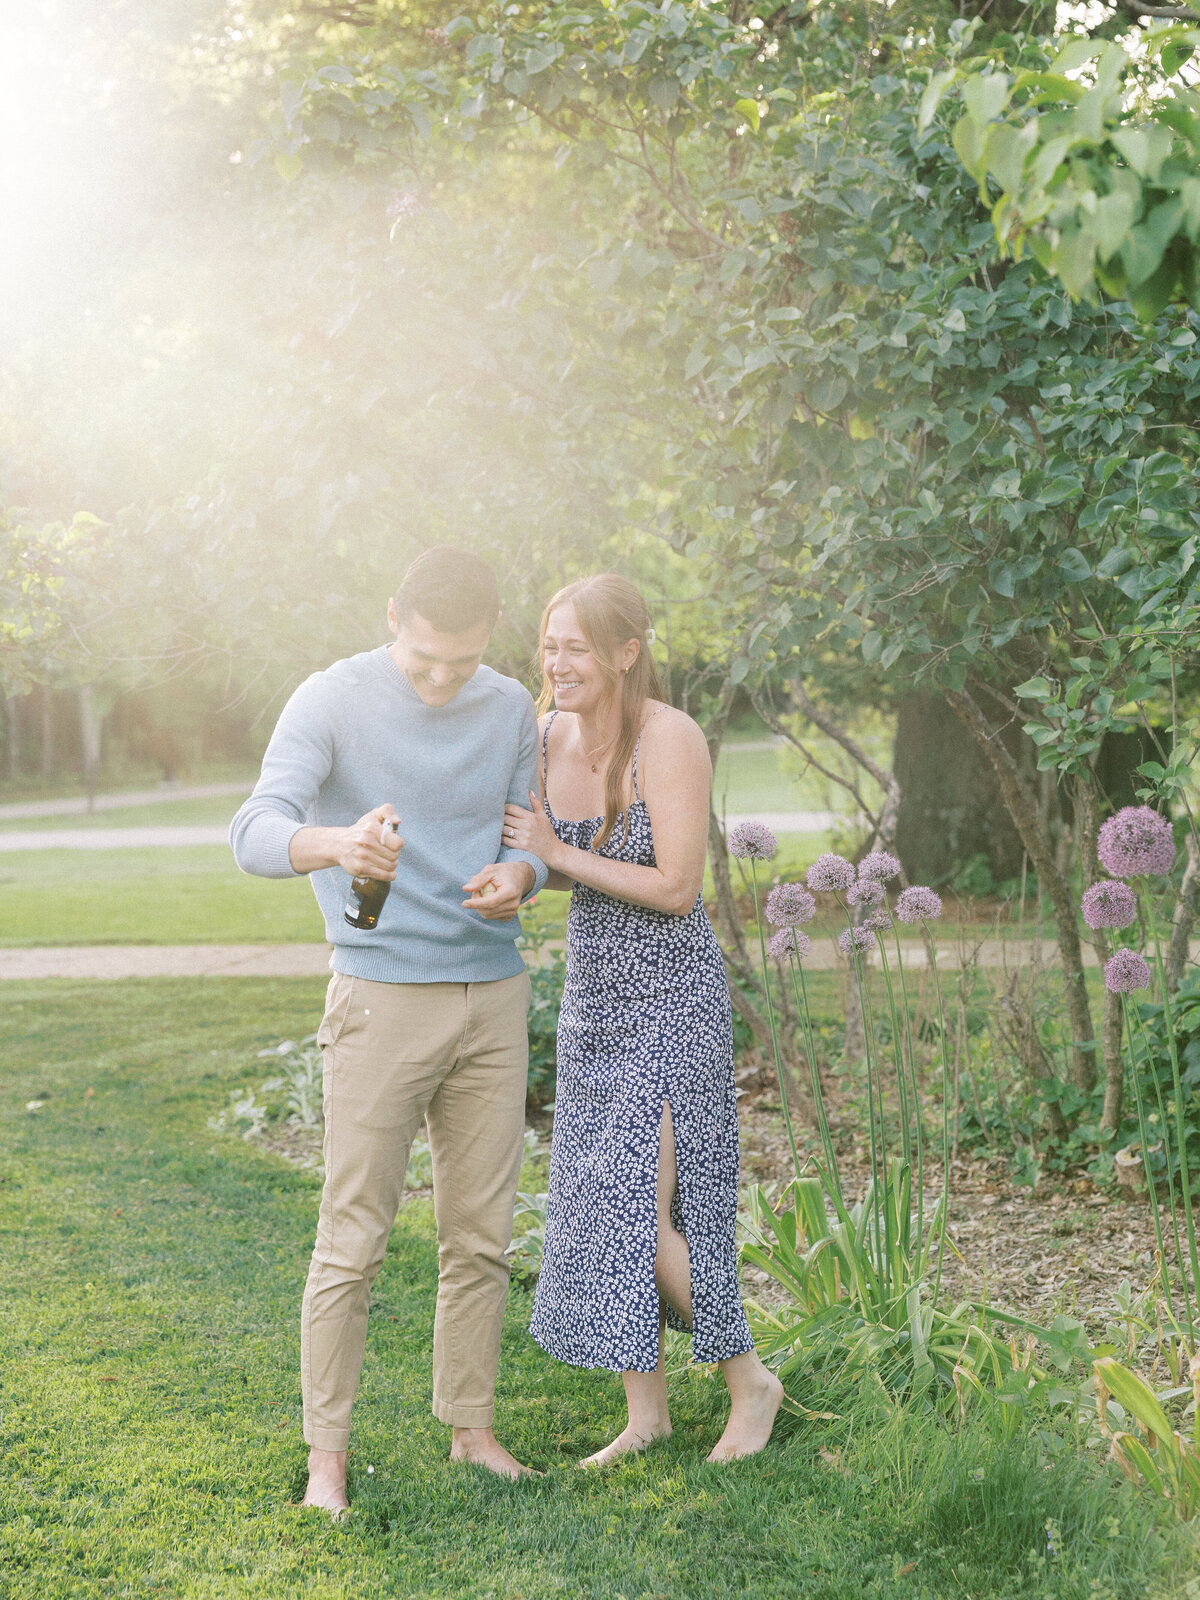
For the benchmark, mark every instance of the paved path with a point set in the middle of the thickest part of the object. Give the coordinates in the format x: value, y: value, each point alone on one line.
x: 180, y: 838
x: 77, y: 805
x: 167, y: 961
x: 312, y: 960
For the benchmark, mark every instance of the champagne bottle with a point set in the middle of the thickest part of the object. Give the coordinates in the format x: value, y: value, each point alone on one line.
x: 368, y: 894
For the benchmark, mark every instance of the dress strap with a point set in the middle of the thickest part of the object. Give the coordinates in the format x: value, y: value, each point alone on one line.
x: 637, y: 747
x: 545, y: 740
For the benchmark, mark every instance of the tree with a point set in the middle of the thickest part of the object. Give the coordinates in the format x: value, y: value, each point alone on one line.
x: 880, y: 444
x: 1099, y: 177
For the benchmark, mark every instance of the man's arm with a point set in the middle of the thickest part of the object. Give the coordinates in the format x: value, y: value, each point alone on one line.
x: 296, y: 764
x: 269, y: 835
x: 364, y: 849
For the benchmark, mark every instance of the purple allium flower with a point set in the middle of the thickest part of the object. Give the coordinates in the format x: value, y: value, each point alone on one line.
x: 1126, y: 971
x: 866, y: 892
x: 830, y: 872
x: 851, y: 939
x: 918, y: 905
x: 789, y: 942
x: 752, y: 841
x: 1109, y: 905
x: 878, y: 866
x: 790, y: 904
x: 880, y: 920
x: 1136, y: 841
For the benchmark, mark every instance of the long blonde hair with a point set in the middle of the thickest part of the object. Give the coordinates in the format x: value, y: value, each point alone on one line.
x: 611, y: 612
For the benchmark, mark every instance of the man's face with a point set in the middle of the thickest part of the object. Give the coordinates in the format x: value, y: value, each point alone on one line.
x: 436, y: 664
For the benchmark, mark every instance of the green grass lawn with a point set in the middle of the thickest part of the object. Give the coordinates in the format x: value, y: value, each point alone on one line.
x: 149, y: 1408
x: 214, y: 812
x: 191, y: 896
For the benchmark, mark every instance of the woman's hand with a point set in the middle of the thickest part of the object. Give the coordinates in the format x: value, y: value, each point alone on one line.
x: 530, y: 830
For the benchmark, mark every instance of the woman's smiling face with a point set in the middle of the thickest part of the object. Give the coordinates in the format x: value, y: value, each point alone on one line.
x: 576, y: 677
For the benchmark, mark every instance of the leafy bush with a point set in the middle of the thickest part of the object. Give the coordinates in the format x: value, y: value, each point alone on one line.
x: 546, y: 983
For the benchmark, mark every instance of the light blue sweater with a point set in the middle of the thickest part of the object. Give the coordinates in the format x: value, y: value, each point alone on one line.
x: 357, y: 736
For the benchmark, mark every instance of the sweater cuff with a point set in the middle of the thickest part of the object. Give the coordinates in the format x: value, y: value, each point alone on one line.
x: 263, y: 847
x: 540, y: 871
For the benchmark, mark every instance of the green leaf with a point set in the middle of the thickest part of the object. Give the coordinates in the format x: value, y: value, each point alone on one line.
x: 968, y: 146
x: 1111, y: 221
x: 749, y: 110
x: 1152, y: 296
x: 1176, y: 55
x: 892, y: 653
x: 288, y: 166
x: 1074, y: 565
x: 1035, y: 689
x: 1005, y: 149
x: 1116, y: 562
x: 1145, y: 148
x: 985, y: 94
x: 1138, y: 1399
x: 291, y: 98
x: 1075, y: 55
x: 698, y: 359
x: 664, y: 92
x: 932, y: 97
x: 1072, y: 260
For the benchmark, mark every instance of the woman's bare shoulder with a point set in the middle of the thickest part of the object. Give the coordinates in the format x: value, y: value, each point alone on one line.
x: 665, y: 725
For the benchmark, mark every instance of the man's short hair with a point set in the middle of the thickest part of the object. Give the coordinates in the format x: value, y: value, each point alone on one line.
x: 452, y: 589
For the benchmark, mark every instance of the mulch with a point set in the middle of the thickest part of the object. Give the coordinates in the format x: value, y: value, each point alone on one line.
x: 1064, y: 1246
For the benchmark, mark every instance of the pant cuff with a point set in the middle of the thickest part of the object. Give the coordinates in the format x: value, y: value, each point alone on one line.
x: 327, y: 1438
x: 463, y: 1416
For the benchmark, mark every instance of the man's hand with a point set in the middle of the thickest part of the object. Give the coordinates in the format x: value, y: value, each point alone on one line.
x: 497, y: 891
x: 358, y: 849
x: 369, y: 850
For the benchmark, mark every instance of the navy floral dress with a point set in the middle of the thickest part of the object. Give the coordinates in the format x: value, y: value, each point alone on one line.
x: 645, y: 1019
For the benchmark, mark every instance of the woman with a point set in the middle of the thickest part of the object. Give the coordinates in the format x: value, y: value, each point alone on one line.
x: 643, y: 1171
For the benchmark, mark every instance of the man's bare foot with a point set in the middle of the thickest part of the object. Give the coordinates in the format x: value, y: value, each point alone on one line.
x: 481, y: 1448
x: 627, y: 1442
x: 327, y: 1482
x: 750, y: 1420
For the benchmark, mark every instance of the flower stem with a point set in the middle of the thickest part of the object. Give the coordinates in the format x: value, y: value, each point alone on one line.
x: 1165, y: 1124
x: 1150, y: 1181
x: 916, y: 1087
x: 779, y: 1073
x: 1185, y: 1180
x: 945, y: 1201
x: 801, y: 991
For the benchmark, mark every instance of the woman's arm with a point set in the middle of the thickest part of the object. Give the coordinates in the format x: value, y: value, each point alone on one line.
x: 675, y: 778
x: 554, y: 880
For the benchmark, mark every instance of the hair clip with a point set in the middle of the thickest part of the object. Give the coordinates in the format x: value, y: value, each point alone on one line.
x: 650, y: 636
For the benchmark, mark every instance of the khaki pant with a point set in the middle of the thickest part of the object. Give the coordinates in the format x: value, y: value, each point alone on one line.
x: 454, y: 1054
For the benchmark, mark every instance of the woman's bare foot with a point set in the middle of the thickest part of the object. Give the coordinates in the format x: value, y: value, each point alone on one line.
x: 327, y: 1483
x: 481, y: 1448
x: 628, y: 1442
x: 751, y: 1419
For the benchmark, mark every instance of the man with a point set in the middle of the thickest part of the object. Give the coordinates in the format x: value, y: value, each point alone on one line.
x: 425, y: 1015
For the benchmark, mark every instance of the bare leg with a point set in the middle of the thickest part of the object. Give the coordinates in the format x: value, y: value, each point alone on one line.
x: 649, y: 1419
x: 755, y: 1396
x: 327, y: 1482
x: 481, y: 1448
x: 646, y: 1392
